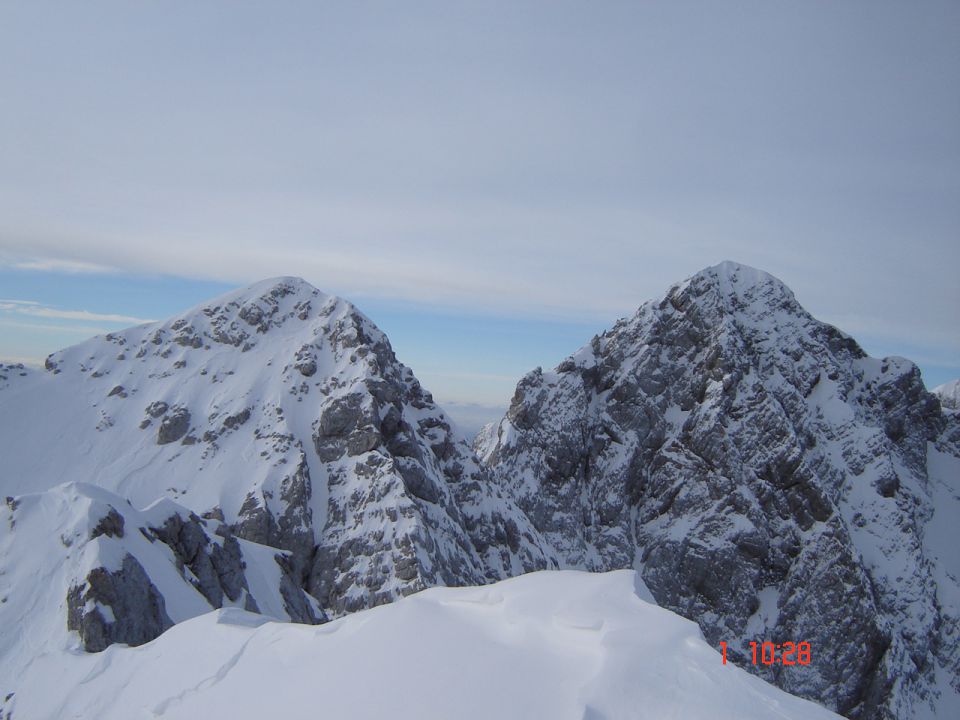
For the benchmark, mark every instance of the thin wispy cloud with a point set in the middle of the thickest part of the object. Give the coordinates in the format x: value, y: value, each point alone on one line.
x: 35, y: 309
x: 77, y: 330
x: 85, y: 315
x: 63, y: 266
x: 21, y: 360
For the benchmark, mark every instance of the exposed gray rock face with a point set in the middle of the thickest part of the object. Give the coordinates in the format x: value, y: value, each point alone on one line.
x: 129, y: 574
x: 110, y: 525
x: 408, y: 506
x: 173, y: 426
x: 290, y: 527
x: 126, y: 606
x: 217, y: 568
x: 767, y: 477
x: 136, y: 608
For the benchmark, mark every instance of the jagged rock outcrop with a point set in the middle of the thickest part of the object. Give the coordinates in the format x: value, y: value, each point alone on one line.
x: 127, y: 575
x: 768, y: 478
x: 120, y: 606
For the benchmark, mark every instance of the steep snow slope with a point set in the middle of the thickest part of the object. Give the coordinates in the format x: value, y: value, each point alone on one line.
x: 283, y: 413
x: 547, y: 645
x: 766, y: 477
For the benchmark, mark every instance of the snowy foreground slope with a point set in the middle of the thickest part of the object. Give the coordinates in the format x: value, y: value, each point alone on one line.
x: 558, y: 645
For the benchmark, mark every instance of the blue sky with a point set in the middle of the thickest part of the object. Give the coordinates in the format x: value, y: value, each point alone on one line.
x: 491, y: 182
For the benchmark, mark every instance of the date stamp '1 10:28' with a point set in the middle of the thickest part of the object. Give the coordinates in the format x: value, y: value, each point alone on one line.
x: 787, y: 653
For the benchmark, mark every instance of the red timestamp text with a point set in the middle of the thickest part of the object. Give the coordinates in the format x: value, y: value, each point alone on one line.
x: 788, y: 653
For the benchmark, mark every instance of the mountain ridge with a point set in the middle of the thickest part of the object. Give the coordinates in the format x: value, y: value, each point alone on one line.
x: 765, y: 476
x: 282, y: 414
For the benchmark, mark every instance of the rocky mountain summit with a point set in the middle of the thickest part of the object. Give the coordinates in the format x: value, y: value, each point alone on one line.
x: 767, y: 479
x: 300, y: 470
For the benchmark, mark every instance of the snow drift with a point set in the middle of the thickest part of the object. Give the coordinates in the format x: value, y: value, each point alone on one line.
x: 559, y: 645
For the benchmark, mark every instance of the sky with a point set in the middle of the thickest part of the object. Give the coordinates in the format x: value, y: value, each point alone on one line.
x: 491, y: 182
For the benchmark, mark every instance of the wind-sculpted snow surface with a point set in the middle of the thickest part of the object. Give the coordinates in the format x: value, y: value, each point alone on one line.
x: 280, y: 416
x: 768, y: 480
x: 559, y: 645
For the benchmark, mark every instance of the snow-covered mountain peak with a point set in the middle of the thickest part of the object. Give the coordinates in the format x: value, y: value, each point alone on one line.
x: 949, y: 394
x: 737, y: 275
x: 765, y: 475
x: 750, y: 295
x: 283, y: 414
x: 283, y: 319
